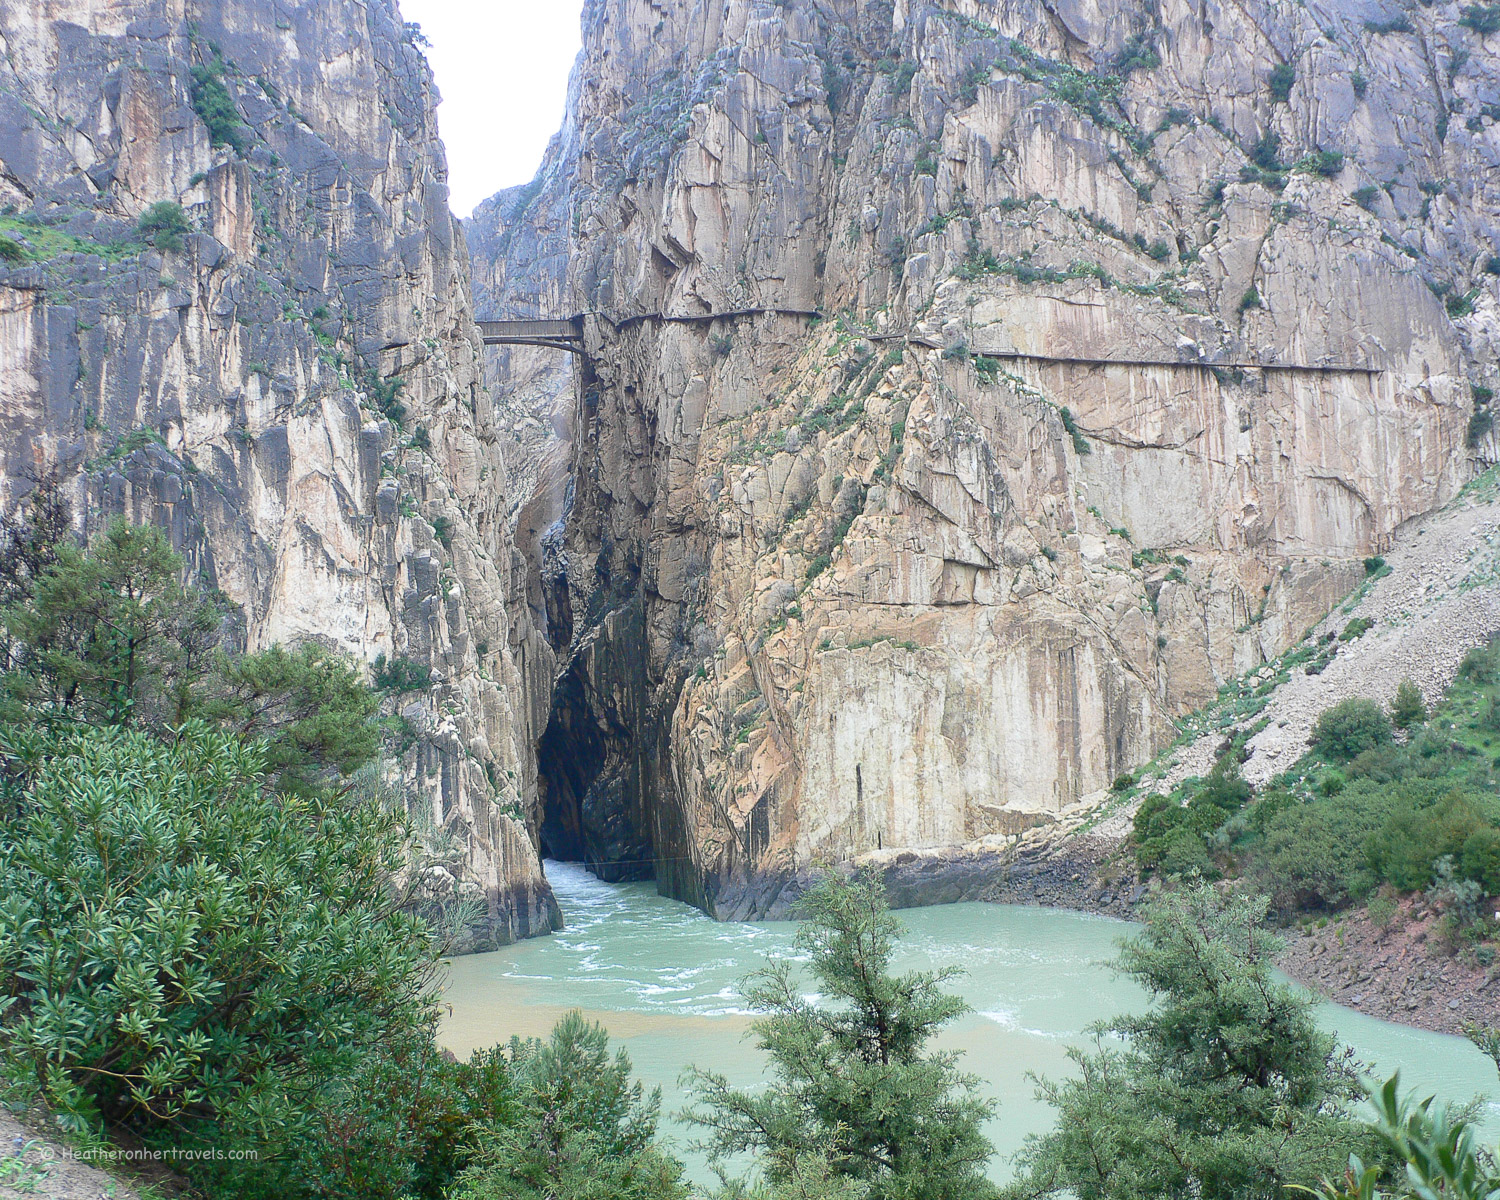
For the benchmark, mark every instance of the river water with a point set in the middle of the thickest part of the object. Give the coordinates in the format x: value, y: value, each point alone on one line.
x: 662, y: 978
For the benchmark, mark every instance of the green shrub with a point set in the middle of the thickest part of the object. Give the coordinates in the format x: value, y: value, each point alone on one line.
x: 1251, y: 299
x: 1356, y: 628
x: 442, y: 529
x: 107, y: 634
x: 1481, y: 665
x: 12, y: 250
x: 1080, y: 443
x: 1223, y: 1087
x: 1481, y: 18
x: 1349, y: 727
x: 1327, y: 163
x: 1381, y: 910
x: 385, y: 392
x: 1283, y: 75
x: 1408, y: 708
x: 215, y: 107
x: 1427, y: 820
x: 1183, y: 852
x: 1366, y: 196
x: 580, y: 1129
x: 1391, y: 25
x: 400, y: 675
x: 1361, y: 85
x: 854, y: 1069
x: 1460, y: 304
x: 164, y: 225
x: 1479, y: 859
x: 183, y: 952
x: 1139, y: 53
x: 1313, y: 853
x: 1266, y: 153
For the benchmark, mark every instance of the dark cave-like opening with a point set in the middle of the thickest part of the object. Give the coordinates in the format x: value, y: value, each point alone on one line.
x: 570, y: 756
x: 591, y: 780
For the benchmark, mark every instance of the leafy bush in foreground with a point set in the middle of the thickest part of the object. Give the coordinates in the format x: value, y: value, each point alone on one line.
x: 185, y: 955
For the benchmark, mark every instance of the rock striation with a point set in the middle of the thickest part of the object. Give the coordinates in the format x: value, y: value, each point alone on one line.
x: 972, y: 389
x: 291, y: 385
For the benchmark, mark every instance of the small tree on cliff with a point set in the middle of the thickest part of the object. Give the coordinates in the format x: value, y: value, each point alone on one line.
x: 1227, y: 1090
x: 855, y: 1084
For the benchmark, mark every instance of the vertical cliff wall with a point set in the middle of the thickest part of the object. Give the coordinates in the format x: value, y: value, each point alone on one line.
x: 294, y: 390
x: 1138, y: 328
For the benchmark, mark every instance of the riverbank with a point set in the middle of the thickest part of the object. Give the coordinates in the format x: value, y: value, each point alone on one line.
x: 1403, y: 972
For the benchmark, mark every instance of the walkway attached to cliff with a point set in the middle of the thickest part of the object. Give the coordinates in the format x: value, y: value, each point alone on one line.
x: 567, y: 334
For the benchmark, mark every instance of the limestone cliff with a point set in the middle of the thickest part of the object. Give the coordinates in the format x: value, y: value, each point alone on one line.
x: 291, y: 387
x: 1139, y: 327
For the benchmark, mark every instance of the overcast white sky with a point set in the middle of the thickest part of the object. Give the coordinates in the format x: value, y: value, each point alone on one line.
x: 502, y: 67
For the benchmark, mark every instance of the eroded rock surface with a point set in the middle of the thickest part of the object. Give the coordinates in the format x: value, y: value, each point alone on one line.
x: 242, y: 389
x: 1127, y: 360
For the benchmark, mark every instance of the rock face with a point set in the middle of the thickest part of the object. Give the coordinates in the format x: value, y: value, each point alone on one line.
x: 292, y: 387
x: 1140, y: 327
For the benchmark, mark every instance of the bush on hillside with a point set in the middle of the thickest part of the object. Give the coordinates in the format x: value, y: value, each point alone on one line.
x: 164, y: 225
x: 215, y: 107
x: 1313, y: 853
x: 1429, y: 820
x: 1171, y: 838
x: 1408, y: 708
x: 1351, y: 727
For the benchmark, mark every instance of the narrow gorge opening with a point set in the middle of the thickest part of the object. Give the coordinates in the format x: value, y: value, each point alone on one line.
x: 590, y: 776
x: 570, y: 757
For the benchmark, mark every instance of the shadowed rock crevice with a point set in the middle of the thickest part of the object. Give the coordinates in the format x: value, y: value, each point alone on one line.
x: 593, y: 794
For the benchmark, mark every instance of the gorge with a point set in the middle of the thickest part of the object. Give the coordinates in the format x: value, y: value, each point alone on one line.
x: 1031, y: 463
x: 967, y: 391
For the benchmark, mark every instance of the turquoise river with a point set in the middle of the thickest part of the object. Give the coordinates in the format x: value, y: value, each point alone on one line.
x: 663, y: 978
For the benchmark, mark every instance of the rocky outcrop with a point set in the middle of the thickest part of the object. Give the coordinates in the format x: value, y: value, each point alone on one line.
x: 292, y: 385
x: 972, y: 388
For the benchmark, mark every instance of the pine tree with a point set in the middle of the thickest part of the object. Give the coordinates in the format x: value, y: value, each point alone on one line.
x: 1226, y: 1090
x: 109, y: 634
x: 581, y: 1130
x: 854, y: 1081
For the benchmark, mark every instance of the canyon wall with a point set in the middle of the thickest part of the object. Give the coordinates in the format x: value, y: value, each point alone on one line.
x: 971, y: 389
x: 291, y: 387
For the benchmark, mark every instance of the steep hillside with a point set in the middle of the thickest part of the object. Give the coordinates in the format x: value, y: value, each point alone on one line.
x: 284, y: 372
x: 972, y: 389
